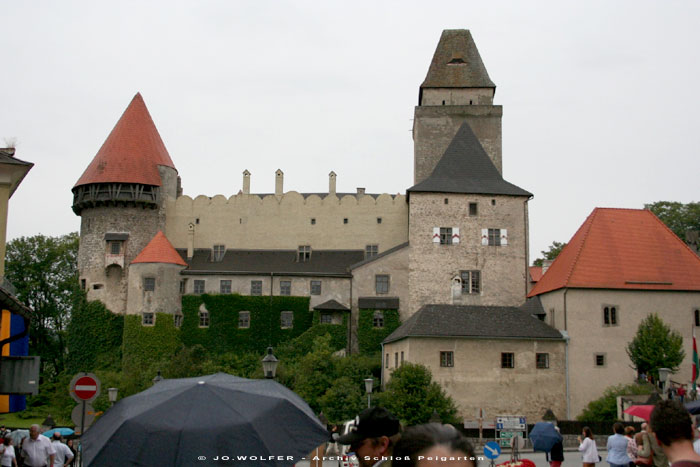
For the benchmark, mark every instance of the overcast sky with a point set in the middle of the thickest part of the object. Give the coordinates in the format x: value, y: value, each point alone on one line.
x: 600, y: 98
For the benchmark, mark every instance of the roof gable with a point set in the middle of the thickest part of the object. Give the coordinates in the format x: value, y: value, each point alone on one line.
x: 457, y: 63
x: 131, y: 153
x: 159, y: 250
x: 623, y: 249
x: 466, y: 168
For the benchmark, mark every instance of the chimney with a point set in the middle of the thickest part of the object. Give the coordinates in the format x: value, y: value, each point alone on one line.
x: 246, y: 182
x: 546, y: 264
x: 190, y: 240
x: 331, y: 183
x: 279, y: 183
x: 360, y: 192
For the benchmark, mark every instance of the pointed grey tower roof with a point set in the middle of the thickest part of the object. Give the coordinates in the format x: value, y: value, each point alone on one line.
x: 457, y: 63
x: 466, y: 168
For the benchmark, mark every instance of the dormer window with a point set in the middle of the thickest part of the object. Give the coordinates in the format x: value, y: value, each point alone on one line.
x: 304, y: 254
x: 218, y: 253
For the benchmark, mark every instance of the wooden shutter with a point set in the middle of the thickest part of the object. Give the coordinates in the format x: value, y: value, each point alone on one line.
x: 455, y: 235
x: 436, y: 234
x: 504, y: 237
x: 485, y: 237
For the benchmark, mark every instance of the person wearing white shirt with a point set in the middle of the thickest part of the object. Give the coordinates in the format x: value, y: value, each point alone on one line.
x: 7, y: 458
x: 63, y: 453
x: 37, y: 450
x: 588, y: 448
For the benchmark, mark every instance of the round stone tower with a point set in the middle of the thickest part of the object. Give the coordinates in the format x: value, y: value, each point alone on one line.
x: 121, y: 200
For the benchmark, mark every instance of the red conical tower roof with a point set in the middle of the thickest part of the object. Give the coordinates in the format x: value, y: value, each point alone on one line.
x: 159, y: 250
x: 132, y: 152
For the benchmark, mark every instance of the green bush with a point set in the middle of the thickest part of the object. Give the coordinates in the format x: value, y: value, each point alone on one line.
x: 604, y: 409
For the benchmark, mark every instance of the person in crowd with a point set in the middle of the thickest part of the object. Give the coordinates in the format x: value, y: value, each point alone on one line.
x: 37, y: 450
x: 588, y: 448
x: 671, y: 425
x: 433, y: 445
x: 3, y: 432
x: 617, y: 447
x: 556, y: 456
x: 373, y: 437
x: 7, y: 456
x: 631, y: 445
x: 681, y: 392
x: 639, y: 441
x: 650, y: 448
x: 64, y: 455
x: 696, y: 442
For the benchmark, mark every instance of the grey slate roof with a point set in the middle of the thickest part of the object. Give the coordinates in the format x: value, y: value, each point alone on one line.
x: 331, y: 305
x: 466, y: 168
x: 495, y: 322
x: 378, y: 303
x: 380, y: 255
x: 323, y: 195
x: 533, y: 306
x: 457, y: 63
x: 263, y: 262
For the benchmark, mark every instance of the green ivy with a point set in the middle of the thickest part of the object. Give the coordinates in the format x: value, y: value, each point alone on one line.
x: 94, y: 338
x: 148, y: 344
x: 369, y: 337
x: 223, y: 334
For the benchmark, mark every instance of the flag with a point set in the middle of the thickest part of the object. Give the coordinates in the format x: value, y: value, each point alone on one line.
x: 695, y: 361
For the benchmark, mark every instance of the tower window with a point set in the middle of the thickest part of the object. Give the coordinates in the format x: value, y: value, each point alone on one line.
x: 345, y: 220
x: 696, y: 312
x: 610, y: 316
x: 600, y: 359
x: 149, y: 284
x: 115, y: 248
x: 379, y: 220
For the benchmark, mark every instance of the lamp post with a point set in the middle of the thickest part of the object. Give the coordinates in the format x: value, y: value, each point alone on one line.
x: 368, y: 389
x: 112, y: 395
x: 269, y: 363
x: 664, y: 374
x: 158, y: 378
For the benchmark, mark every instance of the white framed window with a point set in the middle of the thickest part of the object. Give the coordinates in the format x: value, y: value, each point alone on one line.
x: 315, y: 287
x: 285, y: 287
x: 225, y: 286
x: 304, y: 253
x: 371, y: 251
x: 494, y: 237
x: 203, y: 319
x: 148, y: 318
x: 243, y: 319
x: 218, y: 253
x: 381, y: 284
x: 199, y: 286
x: 287, y: 319
x: 256, y: 287
x: 471, y: 282
x: 447, y: 359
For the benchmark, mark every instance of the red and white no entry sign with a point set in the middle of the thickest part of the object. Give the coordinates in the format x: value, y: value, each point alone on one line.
x: 85, y: 387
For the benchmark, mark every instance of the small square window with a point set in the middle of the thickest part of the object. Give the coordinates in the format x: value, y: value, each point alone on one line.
x: 203, y: 319
x: 218, y: 253
x: 199, y: 286
x: 447, y: 201
x: 313, y: 221
x: 148, y: 319
x: 345, y: 220
x: 315, y: 287
x: 447, y: 359
x: 225, y: 286
x: 379, y: 220
x: 382, y: 283
x: 256, y: 287
x: 243, y: 319
x: 371, y: 251
x: 542, y: 360
x: 599, y: 359
x: 177, y: 321
x: 287, y: 319
x: 326, y: 318
x: 115, y: 248
x: 304, y: 253
x: 445, y: 235
x: 473, y: 209
x: 285, y: 287
x: 378, y: 319
x: 149, y: 284
x: 493, y: 202
x: 507, y: 360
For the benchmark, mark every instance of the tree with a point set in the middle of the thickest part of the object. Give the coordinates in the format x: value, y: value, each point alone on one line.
x: 655, y: 346
x: 551, y: 253
x: 677, y: 216
x: 43, y: 271
x: 412, y: 396
x: 604, y: 409
x: 343, y: 400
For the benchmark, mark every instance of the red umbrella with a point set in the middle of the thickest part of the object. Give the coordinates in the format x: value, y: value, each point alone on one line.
x: 641, y: 411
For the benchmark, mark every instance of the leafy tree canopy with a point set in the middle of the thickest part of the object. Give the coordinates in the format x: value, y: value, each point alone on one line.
x: 412, y: 396
x: 604, y: 409
x: 43, y: 271
x: 655, y: 346
x: 677, y: 216
x: 551, y: 253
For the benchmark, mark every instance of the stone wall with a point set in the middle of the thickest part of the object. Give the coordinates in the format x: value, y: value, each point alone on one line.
x: 164, y: 299
x: 432, y: 266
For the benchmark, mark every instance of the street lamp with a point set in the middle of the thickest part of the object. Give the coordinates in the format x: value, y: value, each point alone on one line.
x: 112, y: 395
x: 158, y: 378
x: 269, y: 363
x: 368, y: 390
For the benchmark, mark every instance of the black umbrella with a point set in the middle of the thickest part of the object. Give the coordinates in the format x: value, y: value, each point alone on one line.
x: 693, y: 407
x: 199, y: 421
x: 543, y: 436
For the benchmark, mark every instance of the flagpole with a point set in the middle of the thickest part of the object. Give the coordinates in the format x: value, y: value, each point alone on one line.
x: 695, y: 362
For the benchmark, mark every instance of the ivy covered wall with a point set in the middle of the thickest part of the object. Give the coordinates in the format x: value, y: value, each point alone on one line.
x: 94, y: 338
x: 144, y: 345
x: 370, y: 337
x: 223, y: 334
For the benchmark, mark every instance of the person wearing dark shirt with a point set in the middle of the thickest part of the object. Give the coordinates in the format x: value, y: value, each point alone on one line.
x: 671, y: 425
x: 556, y: 455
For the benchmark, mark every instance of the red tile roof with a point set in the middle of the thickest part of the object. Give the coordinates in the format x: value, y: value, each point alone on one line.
x: 623, y: 249
x: 535, y: 273
x: 159, y: 250
x: 132, y: 152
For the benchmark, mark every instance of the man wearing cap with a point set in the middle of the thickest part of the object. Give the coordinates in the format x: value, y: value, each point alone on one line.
x: 373, y: 437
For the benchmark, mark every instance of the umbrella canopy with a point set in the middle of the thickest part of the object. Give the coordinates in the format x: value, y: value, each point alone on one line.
x: 63, y: 430
x: 17, y: 436
x: 543, y: 436
x: 693, y: 407
x: 641, y: 411
x: 197, y: 421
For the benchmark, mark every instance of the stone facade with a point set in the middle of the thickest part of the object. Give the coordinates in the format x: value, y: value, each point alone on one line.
x: 165, y: 296
x: 433, y: 267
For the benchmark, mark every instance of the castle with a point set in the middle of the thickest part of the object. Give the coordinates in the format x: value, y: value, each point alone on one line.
x: 450, y: 256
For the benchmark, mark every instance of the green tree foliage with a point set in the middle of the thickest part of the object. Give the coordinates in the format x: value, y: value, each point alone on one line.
x: 604, y: 409
x: 412, y: 396
x: 314, y: 373
x: 677, y: 216
x: 551, y: 253
x: 343, y: 400
x: 655, y: 346
x: 43, y: 271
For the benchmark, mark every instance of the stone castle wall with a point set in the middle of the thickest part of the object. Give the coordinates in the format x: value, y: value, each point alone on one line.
x: 164, y: 299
